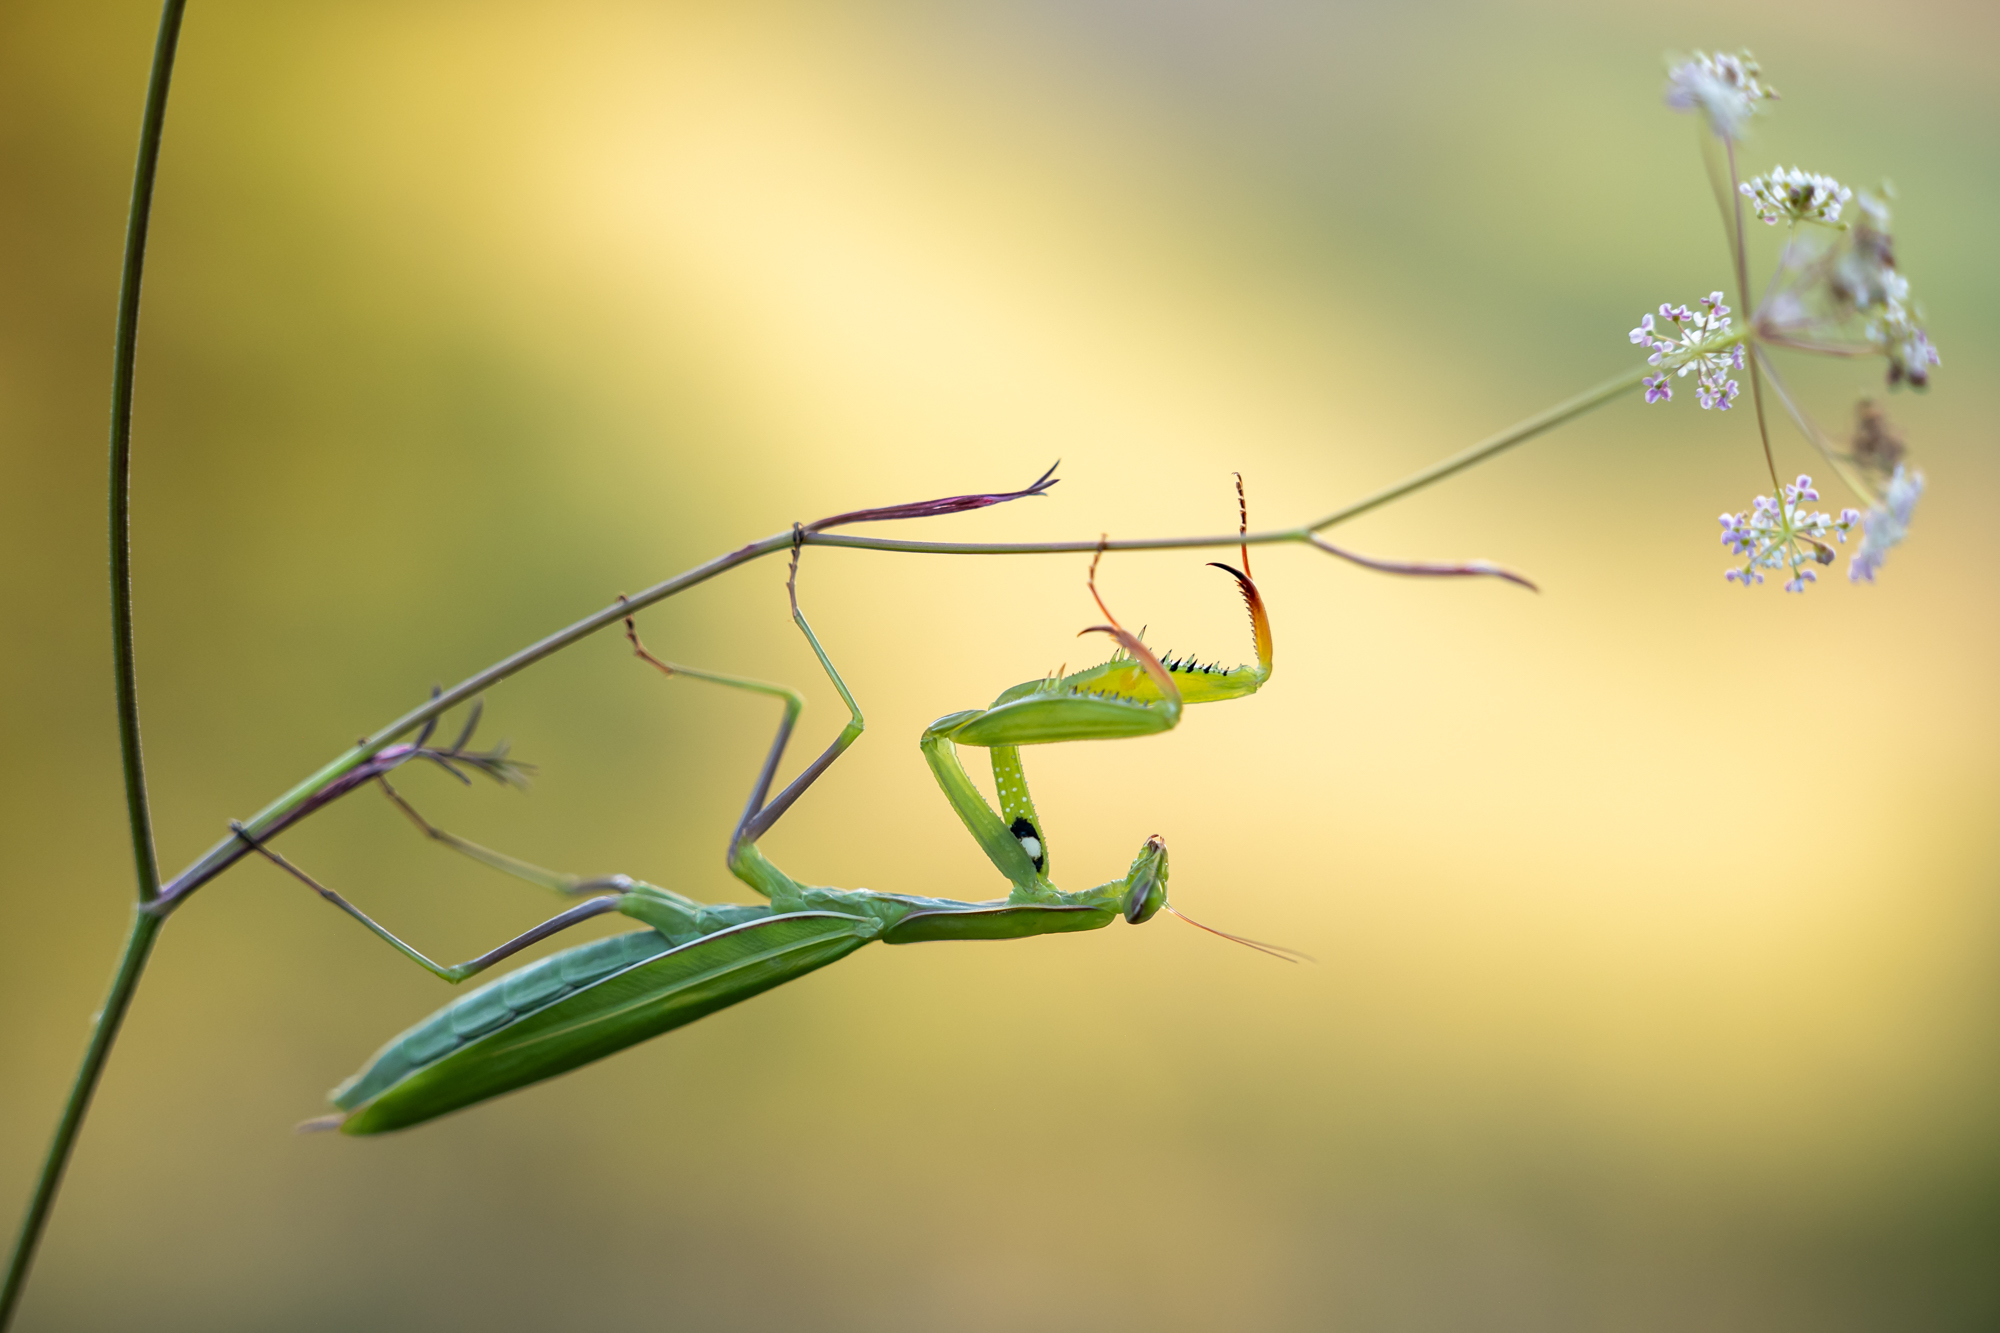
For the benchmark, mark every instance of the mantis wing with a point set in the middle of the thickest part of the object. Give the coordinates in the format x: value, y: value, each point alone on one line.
x: 498, y: 1039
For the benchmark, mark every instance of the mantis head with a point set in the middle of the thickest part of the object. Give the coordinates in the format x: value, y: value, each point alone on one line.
x: 1145, y: 895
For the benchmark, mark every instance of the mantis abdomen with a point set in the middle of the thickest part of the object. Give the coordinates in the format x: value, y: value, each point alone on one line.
x: 581, y: 1005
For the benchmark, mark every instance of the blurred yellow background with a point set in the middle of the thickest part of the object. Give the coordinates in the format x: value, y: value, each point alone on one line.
x: 1657, y: 926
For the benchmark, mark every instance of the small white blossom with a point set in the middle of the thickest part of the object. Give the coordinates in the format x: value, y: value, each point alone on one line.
x: 1903, y: 341
x: 1704, y: 347
x: 1796, y: 196
x: 1724, y: 88
x: 1864, y: 274
x: 1783, y: 536
x: 1886, y: 524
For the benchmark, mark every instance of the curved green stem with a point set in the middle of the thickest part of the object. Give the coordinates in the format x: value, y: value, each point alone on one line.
x: 145, y: 925
x: 1808, y: 428
x: 124, y: 358
x: 138, y: 947
x: 1741, y: 254
x: 1567, y: 410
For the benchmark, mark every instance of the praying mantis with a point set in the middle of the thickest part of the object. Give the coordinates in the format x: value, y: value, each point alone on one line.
x: 694, y: 958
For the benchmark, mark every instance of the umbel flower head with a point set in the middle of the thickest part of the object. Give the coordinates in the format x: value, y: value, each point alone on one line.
x: 1703, y: 346
x: 1782, y: 535
x: 1841, y: 291
x: 1796, y: 196
x: 1897, y: 336
x: 1885, y: 524
x: 1724, y: 88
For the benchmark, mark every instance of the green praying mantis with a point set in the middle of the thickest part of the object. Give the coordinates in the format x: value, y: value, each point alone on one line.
x: 694, y: 958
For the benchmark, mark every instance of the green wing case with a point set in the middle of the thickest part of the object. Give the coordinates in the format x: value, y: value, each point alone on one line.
x: 514, y: 996
x: 581, y: 1005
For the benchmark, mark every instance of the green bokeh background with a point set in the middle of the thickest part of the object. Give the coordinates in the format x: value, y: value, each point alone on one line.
x: 1657, y: 923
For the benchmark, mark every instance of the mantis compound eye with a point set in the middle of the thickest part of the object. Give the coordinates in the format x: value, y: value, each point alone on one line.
x: 1146, y: 881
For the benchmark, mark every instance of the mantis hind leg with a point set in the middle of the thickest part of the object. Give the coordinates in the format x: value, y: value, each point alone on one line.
x: 554, y: 880
x: 456, y: 972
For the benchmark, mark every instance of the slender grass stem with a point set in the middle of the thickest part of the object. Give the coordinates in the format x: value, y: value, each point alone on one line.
x: 1741, y: 253
x: 1817, y: 349
x: 1719, y: 174
x: 1567, y: 410
x: 104, y: 1031
x: 1810, y: 429
x: 145, y: 925
x: 123, y: 362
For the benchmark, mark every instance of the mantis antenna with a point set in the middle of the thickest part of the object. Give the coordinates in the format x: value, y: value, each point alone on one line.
x: 1275, y: 950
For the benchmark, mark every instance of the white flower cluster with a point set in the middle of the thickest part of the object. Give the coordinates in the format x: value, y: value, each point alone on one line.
x: 1703, y: 347
x: 1886, y: 524
x: 1724, y: 88
x: 1898, y: 336
x: 1837, y: 291
x: 1784, y: 536
x: 1866, y: 278
x: 1796, y: 196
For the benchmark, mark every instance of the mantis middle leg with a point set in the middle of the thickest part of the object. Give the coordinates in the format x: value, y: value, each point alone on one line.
x: 763, y: 810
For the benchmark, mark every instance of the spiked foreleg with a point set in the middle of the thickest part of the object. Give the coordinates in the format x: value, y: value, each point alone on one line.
x: 989, y: 830
x: 1017, y: 807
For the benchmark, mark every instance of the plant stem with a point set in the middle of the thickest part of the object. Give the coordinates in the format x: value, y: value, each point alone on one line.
x: 287, y: 807
x: 1718, y: 178
x: 1740, y: 252
x: 1518, y: 433
x: 138, y: 946
x: 145, y: 925
x: 124, y: 358
x: 275, y: 815
x: 1827, y: 449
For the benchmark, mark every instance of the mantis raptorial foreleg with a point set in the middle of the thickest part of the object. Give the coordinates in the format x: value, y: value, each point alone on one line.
x: 1133, y: 694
